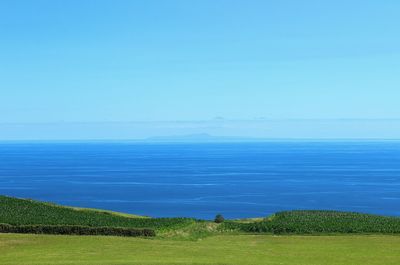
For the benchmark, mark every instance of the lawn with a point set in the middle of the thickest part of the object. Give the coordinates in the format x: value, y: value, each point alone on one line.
x: 20, y: 249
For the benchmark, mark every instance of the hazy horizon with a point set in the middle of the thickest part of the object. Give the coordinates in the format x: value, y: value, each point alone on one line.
x: 250, y: 129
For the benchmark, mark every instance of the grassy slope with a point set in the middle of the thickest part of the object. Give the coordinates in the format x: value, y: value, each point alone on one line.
x: 26, y: 212
x: 225, y: 249
x: 208, y: 244
x: 103, y: 211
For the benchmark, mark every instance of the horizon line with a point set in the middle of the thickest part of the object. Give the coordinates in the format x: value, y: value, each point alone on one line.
x: 200, y: 121
x: 214, y: 139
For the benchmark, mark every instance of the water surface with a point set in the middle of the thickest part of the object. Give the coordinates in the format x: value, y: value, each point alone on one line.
x: 200, y: 180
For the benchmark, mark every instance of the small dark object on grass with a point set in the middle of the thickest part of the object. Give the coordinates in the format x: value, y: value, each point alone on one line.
x: 219, y: 219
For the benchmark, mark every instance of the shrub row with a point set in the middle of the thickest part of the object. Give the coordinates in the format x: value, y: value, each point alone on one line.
x: 76, y: 230
x: 28, y: 212
x: 319, y: 222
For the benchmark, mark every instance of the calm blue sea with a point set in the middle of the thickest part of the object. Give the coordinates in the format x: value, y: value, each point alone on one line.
x: 200, y: 180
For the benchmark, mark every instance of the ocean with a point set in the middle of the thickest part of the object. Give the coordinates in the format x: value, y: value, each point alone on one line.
x: 199, y: 180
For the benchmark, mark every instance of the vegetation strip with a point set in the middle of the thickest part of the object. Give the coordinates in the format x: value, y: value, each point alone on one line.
x: 76, y: 230
x: 19, y: 212
x: 319, y: 222
x: 29, y: 216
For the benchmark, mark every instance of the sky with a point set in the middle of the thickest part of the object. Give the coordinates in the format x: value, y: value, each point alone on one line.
x: 85, y: 66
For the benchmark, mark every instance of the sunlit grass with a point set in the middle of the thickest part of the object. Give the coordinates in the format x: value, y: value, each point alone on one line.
x: 18, y: 249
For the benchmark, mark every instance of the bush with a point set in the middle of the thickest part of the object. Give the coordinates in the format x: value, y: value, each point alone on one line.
x: 76, y: 230
x: 219, y: 219
x: 18, y: 212
x: 320, y: 222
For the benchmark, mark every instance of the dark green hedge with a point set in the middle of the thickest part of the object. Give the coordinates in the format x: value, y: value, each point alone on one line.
x: 76, y: 230
x: 28, y: 212
x: 319, y: 222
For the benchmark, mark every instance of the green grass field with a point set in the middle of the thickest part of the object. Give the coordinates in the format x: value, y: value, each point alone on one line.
x: 21, y: 249
x: 279, y: 239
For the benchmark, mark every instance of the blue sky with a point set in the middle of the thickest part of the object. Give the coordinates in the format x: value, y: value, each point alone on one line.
x: 122, y: 61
